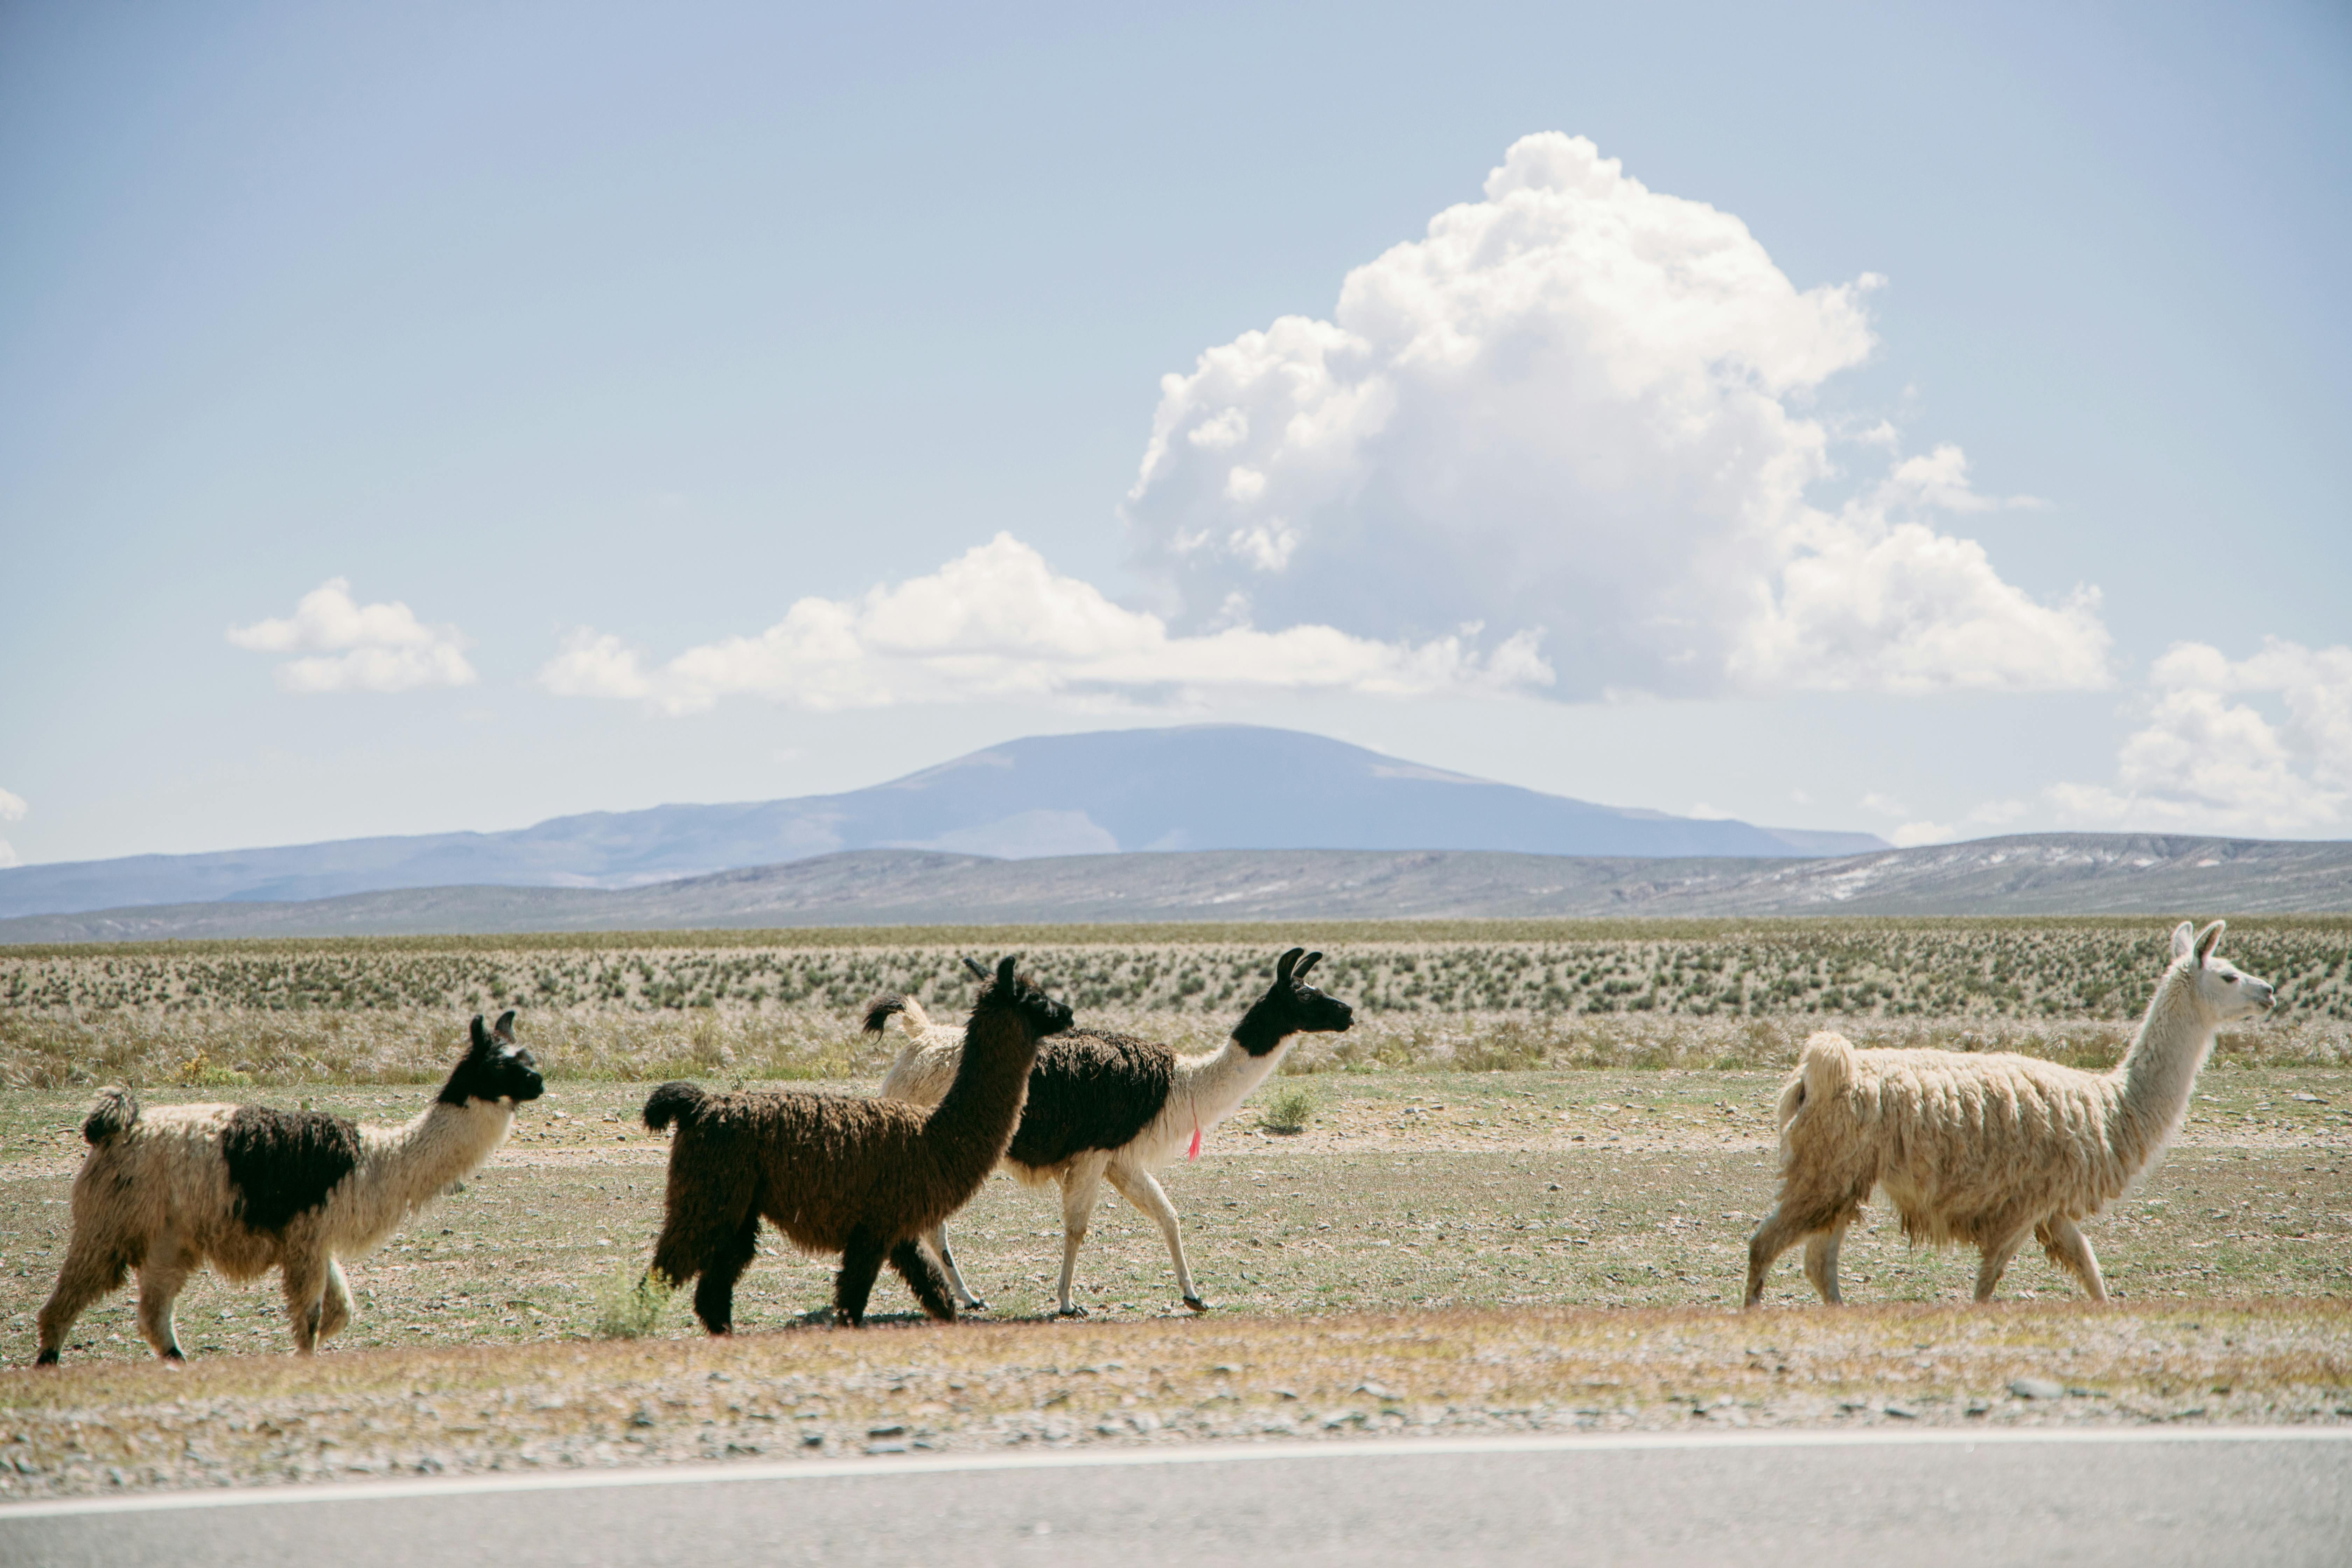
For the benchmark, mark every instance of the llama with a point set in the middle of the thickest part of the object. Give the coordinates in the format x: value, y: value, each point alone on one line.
x: 1110, y: 1105
x: 249, y: 1188
x: 865, y: 1178
x: 1987, y: 1149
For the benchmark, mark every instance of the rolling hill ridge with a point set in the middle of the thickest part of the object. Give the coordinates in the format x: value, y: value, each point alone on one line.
x: 2046, y: 874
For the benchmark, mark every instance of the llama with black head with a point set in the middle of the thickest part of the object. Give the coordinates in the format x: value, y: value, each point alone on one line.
x: 1108, y: 1105
x: 863, y: 1178
x: 248, y: 1188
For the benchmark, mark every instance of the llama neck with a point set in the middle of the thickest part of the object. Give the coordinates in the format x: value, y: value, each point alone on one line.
x: 402, y: 1168
x: 2156, y: 1075
x: 1211, y: 1088
x: 974, y: 1123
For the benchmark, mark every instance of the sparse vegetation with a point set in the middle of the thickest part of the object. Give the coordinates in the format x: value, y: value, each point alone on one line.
x: 1287, y: 1108
x: 629, y: 1305
x: 1493, y: 995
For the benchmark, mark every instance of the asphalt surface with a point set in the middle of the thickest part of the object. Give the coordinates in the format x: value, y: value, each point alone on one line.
x: 2137, y: 1497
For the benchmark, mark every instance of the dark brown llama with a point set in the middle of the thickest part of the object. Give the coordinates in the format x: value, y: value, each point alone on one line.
x: 865, y: 1178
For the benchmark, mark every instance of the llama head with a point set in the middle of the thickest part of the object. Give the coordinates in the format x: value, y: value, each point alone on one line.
x: 2223, y: 989
x: 1015, y: 992
x: 493, y: 1067
x: 1291, y: 1007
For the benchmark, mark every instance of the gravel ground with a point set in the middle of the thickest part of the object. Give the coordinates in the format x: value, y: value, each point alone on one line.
x: 1436, y: 1253
x: 896, y: 1389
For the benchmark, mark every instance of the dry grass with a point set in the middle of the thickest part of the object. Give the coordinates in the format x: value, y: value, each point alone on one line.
x: 1472, y: 995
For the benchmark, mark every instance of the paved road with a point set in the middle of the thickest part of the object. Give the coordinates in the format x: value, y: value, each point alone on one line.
x: 2132, y: 1496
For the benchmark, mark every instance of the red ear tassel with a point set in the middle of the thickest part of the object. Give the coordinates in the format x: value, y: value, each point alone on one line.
x: 1194, y: 1152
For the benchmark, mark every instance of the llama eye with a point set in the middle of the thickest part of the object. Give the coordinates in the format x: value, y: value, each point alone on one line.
x: 2229, y: 980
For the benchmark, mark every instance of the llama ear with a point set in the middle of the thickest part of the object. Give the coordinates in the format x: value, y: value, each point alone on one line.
x: 481, y: 1035
x: 1309, y: 962
x: 504, y: 1028
x: 1004, y: 970
x: 2210, y: 940
x: 2183, y: 940
x: 1287, y: 964
x: 977, y: 971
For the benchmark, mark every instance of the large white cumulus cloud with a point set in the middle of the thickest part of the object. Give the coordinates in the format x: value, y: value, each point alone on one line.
x: 1577, y: 406
x: 999, y: 622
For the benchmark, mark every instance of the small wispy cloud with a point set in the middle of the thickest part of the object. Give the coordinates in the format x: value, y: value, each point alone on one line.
x: 1988, y: 818
x: 11, y: 809
x: 2208, y: 759
x: 351, y: 646
x: 999, y: 622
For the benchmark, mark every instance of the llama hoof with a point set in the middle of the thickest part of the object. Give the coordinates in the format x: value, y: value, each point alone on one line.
x: 173, y: 1359
x: 1070, y: 1312
x: 47, y: 1358
x: 975, y: 1305
x: 1196, y: 1303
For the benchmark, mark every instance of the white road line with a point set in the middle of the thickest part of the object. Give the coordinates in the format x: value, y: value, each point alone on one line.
x: 688, y: 1474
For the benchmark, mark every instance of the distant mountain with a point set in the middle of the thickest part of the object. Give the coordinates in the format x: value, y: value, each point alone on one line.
x: 2053, y: 874
x: 1205, y: 787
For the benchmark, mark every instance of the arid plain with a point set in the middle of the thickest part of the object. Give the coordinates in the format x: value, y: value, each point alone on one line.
x: 1519, y: 1200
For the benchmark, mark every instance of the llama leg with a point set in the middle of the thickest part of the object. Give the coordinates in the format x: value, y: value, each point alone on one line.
x: 923, y: 1277
x: 94, y: 1268
x: 1143, y: 1190
x: 335, y: 1304
x: 714, y: 1297
x: 1080, y: 1183
x: 1820, y: 1262
x: 861, y: 1260
x: 2071, y: 1250
x: 160, y: 1281
x: 305, y: 1282
x: 938, y: 1240
x: 1774, y: 1235
x: 1997, y: 1255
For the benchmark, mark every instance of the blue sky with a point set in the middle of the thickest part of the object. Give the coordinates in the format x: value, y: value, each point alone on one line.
x: 1866, y: 416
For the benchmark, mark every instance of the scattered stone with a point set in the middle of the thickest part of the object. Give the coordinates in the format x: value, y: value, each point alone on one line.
x: 1900, y: 1412
x: 2037, y: 1388
x: 893, y: 1430
x: 1980, y: 1406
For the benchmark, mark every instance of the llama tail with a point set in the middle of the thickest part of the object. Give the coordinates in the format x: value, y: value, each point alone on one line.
x: 909, y: 1012
x: 678, y: 1102
x: 113, y: 1112
x: 1824, y: 1071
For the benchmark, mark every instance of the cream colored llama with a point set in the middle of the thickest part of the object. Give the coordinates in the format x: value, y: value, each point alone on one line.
x: 1989, y: 1149
x: 249, y: 1188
